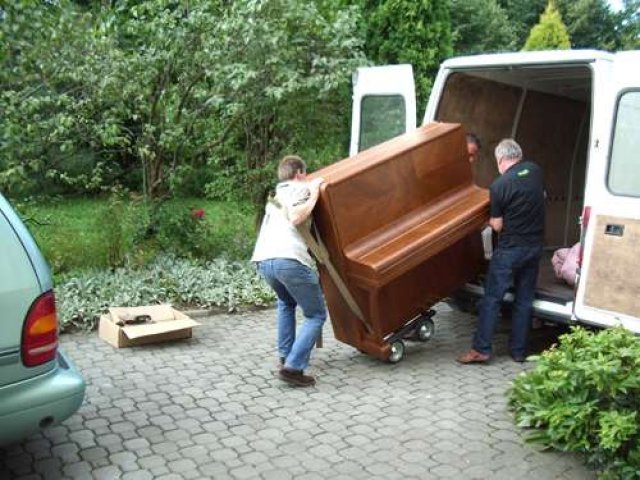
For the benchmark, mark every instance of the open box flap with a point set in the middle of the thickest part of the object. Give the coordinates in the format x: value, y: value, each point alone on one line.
x: 137, y: 331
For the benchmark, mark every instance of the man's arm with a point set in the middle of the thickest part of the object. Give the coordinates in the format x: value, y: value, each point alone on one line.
x: 496, y: 206
x: 299, y: 212
x: 496, y: 223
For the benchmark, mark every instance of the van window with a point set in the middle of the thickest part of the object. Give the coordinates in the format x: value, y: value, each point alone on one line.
x: 383, y: 117
x: 624, y: 169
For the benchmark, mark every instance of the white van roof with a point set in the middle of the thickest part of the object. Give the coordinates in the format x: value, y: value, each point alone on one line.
x: 528, y: 58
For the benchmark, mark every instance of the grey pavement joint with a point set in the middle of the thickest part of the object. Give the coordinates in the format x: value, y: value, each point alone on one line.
x: 212, y: 408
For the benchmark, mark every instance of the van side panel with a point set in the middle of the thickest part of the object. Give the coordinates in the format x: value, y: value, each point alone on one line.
x: 613, y: 282
x: 614, y: 208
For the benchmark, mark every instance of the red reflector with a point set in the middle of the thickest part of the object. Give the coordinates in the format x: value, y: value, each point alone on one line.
x: 586, y: 216
x: 40, y: 331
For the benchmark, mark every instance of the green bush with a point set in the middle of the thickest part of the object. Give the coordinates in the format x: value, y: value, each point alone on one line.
x: 116, y: 221
x: 77, y: 234
x: 82, y: 297
x: 182, y: 231
x: 584, y: 396
x: 191, y: 230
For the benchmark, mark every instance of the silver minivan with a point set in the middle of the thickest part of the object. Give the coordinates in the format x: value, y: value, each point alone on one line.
x: 39, y: 386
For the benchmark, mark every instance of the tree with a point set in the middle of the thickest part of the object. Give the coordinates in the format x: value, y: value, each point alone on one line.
x: 50, y: 68
x: 590, y: 23
x: 409, y: 31
x: 480, y: 26
x: 628, y: 21
x: 163, y: 87
x: 550, y: 33
x: 523, y: 14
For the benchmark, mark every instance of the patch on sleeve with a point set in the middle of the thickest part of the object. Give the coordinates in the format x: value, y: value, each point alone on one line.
x: 302, y: 196
x: 523, y: 173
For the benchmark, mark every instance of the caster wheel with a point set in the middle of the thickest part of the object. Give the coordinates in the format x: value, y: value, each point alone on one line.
x: 397, y: 351
x: 425, y: 330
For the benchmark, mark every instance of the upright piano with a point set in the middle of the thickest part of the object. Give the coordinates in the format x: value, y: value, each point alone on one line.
x: 401, y: 222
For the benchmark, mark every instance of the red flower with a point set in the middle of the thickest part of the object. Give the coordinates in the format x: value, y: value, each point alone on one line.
x: 197, y: 213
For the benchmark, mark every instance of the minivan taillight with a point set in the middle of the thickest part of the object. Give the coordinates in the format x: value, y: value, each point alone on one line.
x: 40, y: 331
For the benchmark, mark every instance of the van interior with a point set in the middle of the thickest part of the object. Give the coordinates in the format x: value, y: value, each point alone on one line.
x: 547, y: 110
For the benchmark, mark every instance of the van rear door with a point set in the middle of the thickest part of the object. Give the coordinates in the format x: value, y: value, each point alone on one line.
x: 384, y: 105
x: 608, y: 292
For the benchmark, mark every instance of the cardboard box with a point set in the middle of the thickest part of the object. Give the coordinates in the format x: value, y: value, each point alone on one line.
x: 166, y: 324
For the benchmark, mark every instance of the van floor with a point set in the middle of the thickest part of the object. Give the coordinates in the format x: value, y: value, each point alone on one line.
x: 549, y: 286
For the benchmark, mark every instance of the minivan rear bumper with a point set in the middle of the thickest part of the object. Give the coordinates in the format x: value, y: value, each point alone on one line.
x: 38, y: 402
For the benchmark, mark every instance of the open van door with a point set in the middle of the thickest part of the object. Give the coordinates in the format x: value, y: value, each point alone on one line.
x: 608, y: 291
x: 384, y: 105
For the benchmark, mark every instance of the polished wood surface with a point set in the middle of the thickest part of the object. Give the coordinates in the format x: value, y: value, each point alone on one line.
x: 401, y: 222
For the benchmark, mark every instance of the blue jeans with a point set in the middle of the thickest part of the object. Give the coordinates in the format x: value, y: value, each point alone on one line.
x: 295, y: 284
x: 517, y: 266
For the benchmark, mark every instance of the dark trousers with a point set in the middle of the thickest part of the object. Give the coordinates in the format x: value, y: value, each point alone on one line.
x: 517, y: 266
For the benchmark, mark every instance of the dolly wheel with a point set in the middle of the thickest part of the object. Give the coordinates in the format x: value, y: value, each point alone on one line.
x: 425, y: 330
x: 397, y: 351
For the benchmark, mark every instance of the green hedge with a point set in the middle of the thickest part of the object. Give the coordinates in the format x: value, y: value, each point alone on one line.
x: 584, y: 396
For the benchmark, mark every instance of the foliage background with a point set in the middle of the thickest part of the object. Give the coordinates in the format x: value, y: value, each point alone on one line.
x: 583, y: 396
x: 166, y: 97
x: 551, y: 33
x: 201, y: 97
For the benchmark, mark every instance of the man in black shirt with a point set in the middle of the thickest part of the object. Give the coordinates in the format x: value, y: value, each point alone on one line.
x: 517, y: 214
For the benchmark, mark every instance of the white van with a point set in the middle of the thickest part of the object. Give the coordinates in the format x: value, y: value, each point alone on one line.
x: 577, y: 114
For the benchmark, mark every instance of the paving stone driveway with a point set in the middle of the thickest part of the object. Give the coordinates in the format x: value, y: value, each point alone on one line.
x: 211, y: 407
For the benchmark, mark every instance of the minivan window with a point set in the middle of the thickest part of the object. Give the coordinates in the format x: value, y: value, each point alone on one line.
x: 383, y: 117
x: 16, y: 272
x: 624, y: 169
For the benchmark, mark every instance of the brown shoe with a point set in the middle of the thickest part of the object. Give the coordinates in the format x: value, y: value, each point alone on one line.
x: 473, y: 356
x: 296, y: 377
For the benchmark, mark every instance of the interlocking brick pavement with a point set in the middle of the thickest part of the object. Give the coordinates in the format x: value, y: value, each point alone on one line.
x: 211, y: 407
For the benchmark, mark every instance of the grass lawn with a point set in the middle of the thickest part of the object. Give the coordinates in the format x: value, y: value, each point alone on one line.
x: 78, y: 234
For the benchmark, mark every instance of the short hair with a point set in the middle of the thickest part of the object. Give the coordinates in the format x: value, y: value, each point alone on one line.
x: 509, y: 149
x: 289, y: 166
x: 473, y: 138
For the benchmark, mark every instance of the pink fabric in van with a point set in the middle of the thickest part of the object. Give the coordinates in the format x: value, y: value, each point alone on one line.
x: 565, y: 263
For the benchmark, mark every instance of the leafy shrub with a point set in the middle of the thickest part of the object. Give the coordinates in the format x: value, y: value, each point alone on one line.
x: 84, y: 296
x: 583, y: 396
x: 77, y: 234
x: 117, y: 224
x: 194, y: 232
x: 182, y: 231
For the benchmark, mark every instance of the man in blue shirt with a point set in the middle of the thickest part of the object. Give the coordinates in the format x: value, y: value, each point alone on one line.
x: 517, y: 215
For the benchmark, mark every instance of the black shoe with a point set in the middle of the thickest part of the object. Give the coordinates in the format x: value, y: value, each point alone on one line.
x: 296, y: 377
x: 519, y: 358
x: 282, y: 359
